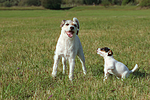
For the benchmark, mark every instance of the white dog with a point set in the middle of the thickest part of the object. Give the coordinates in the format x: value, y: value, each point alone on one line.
x: 68, y: 46
x: 112, y: 66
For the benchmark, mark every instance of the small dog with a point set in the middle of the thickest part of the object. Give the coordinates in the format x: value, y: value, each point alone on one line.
x: 68, y: 46
x: 112, y: 66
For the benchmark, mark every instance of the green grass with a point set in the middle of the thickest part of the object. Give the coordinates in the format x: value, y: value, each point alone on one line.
x: 27, y: 44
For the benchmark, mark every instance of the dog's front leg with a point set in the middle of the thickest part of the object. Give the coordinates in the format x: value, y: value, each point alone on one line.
x: 56, y: 61
x: 106, y: 74
x: 64, y: 64
x: 71, y: 65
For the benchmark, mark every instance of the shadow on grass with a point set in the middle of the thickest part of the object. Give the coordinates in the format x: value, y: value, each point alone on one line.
x: 61, y: 76
x: 97, y: 70
x: 64, y: 8
x: 137, y: 74
x: 32, y: 8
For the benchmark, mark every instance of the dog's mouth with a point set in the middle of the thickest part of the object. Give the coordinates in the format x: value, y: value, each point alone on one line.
x: 98, y: 52
x: 70, y: 33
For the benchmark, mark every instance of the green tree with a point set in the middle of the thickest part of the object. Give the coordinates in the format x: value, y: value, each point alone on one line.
x: 124, y: 2
x: 116, y: 2
x: 105, y: 3
x: 1, y: 1
x: 7, y: 4
x: 145, y: 3
x: 30, y: 3
x: 51, y: 4
x: 33, y: 2
x: 89, y: 2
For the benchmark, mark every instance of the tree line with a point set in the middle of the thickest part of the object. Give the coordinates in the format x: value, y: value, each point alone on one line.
x: 56, y: 4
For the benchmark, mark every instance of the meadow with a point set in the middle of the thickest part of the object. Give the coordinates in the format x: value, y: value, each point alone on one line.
x: 27, y: 44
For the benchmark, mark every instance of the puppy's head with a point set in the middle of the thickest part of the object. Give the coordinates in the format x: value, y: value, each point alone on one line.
x: 104, y: 52
x: 69, y: 27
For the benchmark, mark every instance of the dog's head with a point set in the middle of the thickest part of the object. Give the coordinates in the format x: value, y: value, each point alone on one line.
x: 69, y: 27
x: 104, y: 52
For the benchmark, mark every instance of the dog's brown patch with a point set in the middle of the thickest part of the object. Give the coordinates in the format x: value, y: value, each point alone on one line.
x: 110, y: 53
x: 62, y: 23
x: 72, y: 23
x: 105, y: 49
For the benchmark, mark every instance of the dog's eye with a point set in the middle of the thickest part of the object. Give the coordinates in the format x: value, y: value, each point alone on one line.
x: 75, y: 25
x: 102, y: 49
x: 67, y: 24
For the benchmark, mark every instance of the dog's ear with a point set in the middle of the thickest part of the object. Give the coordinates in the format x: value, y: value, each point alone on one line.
x: 62, y: 23
x: 77, y: 21
x: 110, y: 53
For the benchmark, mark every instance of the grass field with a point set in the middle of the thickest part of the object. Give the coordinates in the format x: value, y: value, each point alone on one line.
x: 27, y: 45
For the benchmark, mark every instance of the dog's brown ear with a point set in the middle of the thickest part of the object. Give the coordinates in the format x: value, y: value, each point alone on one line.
x: 62, y: 23
x: 77, y: 21
x: 110, y: 53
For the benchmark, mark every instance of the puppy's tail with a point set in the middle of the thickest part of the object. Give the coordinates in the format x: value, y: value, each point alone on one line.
x: 135, y: 67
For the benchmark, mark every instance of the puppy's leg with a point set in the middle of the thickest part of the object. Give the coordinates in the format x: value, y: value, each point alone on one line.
x: 82, y: 60
x: 71, y: 65
x: 56, y: 61
x: 106, y: 74
x: 118, y: 78
x: 125, y: 75
x: 64, y: 64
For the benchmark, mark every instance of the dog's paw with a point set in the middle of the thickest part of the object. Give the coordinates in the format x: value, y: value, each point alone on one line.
x: 64, y: 72
x: 71, y: 77
x: 104, y: 80
x: 54, y: 75
x: 85, y: 72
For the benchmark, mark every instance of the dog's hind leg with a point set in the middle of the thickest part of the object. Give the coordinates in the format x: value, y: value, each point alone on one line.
x: 82, y: 60
x: 125, y: 75
x: 64, y: 64
x: 56, y: 61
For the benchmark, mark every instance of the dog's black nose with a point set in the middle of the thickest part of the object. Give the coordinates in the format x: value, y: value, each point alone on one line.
x: 71, y: 28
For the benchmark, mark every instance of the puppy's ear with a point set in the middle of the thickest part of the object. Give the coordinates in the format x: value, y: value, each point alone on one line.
x: 110, y: 53
x: 77, y: 21
x: 62, y: 23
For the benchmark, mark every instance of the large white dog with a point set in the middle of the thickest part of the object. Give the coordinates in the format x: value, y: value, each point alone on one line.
x: 112, y: 66
x: 68, y: 46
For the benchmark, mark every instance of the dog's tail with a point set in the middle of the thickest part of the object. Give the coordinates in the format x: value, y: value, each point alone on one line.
x: 135, y: 67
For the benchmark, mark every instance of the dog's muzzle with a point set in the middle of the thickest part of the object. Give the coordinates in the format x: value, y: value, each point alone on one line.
x: 70, y: 33
x: 98, y: 50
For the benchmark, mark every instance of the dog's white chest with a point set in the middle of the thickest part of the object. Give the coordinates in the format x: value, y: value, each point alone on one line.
x: 65, y: 47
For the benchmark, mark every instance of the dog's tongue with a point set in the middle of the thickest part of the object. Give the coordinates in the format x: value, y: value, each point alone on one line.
x: 70, y: 34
